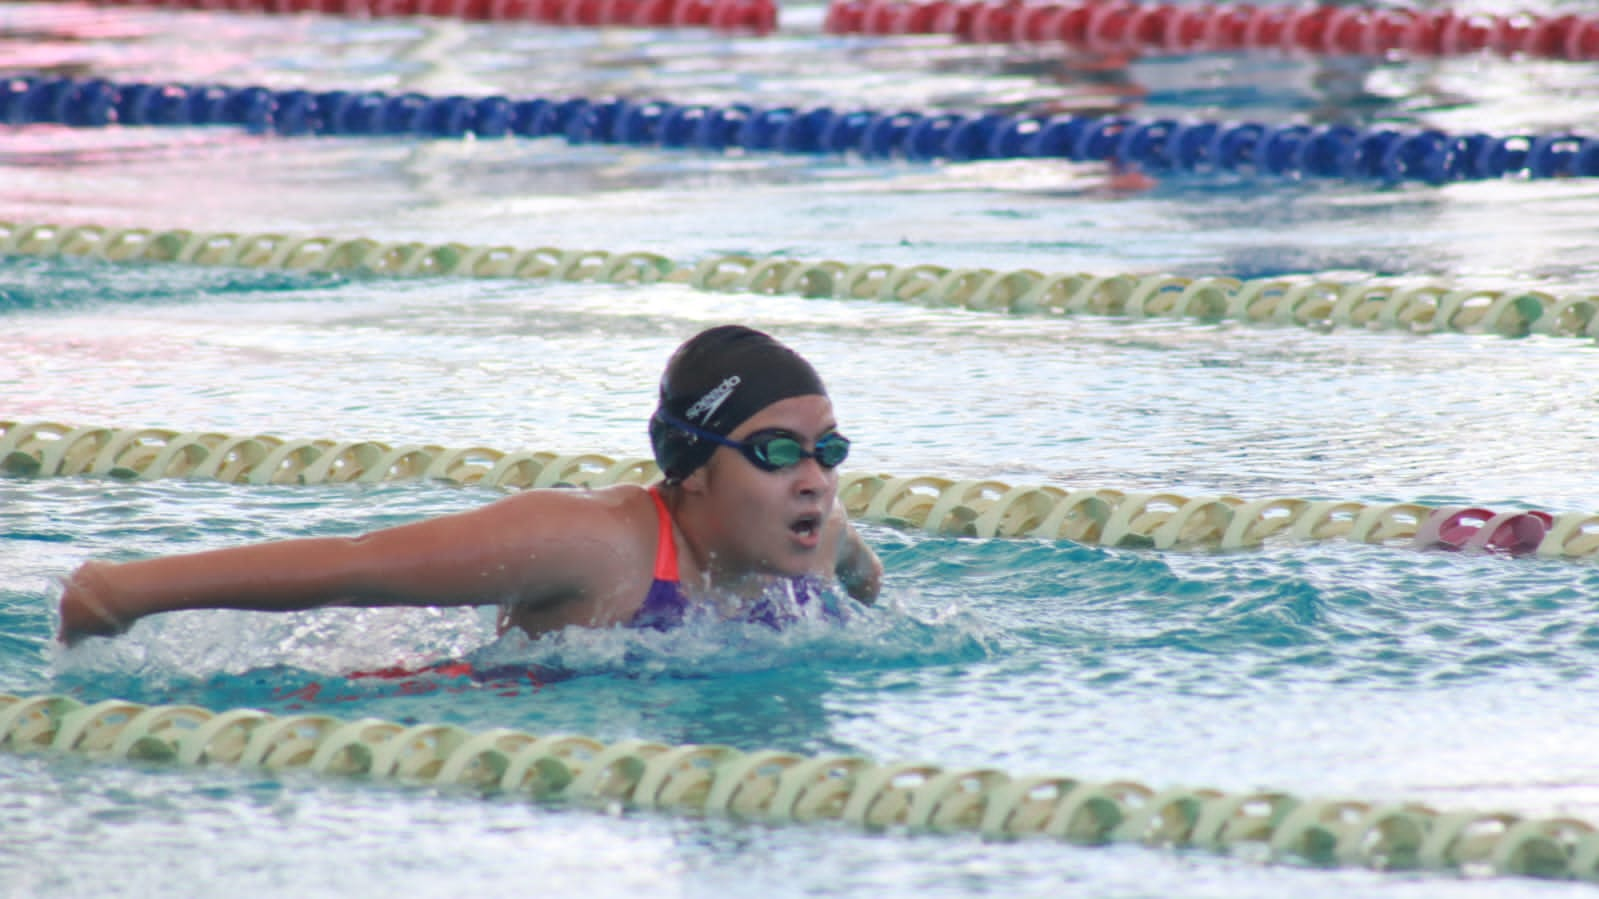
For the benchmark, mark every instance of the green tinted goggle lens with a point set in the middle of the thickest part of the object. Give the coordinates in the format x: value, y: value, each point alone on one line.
x: 779, y: 450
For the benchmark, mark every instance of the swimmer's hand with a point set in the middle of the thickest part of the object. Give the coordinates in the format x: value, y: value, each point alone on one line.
x: 85, y: 606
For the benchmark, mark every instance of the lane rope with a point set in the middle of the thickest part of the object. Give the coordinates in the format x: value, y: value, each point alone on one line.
x: 1317, y: 301
x: 1099, y: 26
x: 781, y: 787
x: 750, y: 17
x: 949, y: 506
x: 1386, y: 153
x: 1117, y: 27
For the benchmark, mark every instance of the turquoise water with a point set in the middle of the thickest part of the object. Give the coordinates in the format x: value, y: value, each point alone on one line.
x: 1323, y: 669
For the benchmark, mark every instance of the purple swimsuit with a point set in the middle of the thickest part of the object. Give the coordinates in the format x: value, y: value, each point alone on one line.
x: 665, y: 606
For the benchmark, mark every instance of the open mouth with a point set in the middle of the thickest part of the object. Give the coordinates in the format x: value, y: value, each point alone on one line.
x: 808, y: 527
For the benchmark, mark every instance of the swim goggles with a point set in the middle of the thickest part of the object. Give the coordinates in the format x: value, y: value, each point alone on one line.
x: 773, y: 449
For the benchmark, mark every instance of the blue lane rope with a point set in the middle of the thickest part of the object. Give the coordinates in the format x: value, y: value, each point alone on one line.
x: 1155, y: 146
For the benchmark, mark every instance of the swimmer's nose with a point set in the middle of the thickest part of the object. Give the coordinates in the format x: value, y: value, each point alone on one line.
x: 810, y: 478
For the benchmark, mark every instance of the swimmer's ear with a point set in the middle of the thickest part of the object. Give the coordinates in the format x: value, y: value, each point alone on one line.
x: 698, y: 481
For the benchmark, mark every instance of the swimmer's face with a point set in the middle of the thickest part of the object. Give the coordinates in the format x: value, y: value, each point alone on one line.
x: 774, y: 521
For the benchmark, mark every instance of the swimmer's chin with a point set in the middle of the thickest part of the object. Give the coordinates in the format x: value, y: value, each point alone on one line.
x: 791, y: 568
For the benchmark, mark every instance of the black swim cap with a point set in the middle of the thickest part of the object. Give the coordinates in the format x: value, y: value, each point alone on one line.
x: 716, y: 381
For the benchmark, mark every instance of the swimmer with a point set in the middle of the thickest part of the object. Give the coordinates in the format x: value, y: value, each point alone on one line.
x: 747, y: 442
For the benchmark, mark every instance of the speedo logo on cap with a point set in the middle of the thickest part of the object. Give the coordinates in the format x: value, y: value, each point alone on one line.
x: 707, y: 405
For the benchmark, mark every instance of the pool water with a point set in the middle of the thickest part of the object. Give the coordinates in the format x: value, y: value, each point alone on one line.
x: 1322, y: 669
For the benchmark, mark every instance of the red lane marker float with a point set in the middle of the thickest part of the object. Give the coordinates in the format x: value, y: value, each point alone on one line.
x: 1122, y: 26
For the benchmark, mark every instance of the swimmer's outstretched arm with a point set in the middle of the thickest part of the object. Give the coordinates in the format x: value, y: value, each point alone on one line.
x: 534, y: 548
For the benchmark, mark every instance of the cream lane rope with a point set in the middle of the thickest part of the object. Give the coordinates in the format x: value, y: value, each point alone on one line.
x: 1319, y: 301
x: 782, y: 787
x: 971, y: 508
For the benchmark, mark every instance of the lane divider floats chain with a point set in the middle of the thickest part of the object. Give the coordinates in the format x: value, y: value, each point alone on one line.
x: 1126, y: 28
x: 1101, y: 26
x: 973, y: 508
x: 1155, y: 146
x: 1319, y: 301
x: 783, y: 787
x: 732, y: 16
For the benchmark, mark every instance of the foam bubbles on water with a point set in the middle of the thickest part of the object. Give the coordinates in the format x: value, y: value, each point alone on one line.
x: 216, y: 645
x: 200, y: 645
x: 706, y: 645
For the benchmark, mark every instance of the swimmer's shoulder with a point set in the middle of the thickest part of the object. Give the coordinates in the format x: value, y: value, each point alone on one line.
x: 623, y: 512
x: 611, y: 499
x: 598, y: 544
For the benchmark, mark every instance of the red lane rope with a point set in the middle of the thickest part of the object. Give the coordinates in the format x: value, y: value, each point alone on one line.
x: 1117, y: 26
x: 1108, y: 26
x: 744, y: 16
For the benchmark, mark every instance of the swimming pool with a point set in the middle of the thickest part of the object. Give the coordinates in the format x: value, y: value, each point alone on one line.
x: 1327, y: 668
